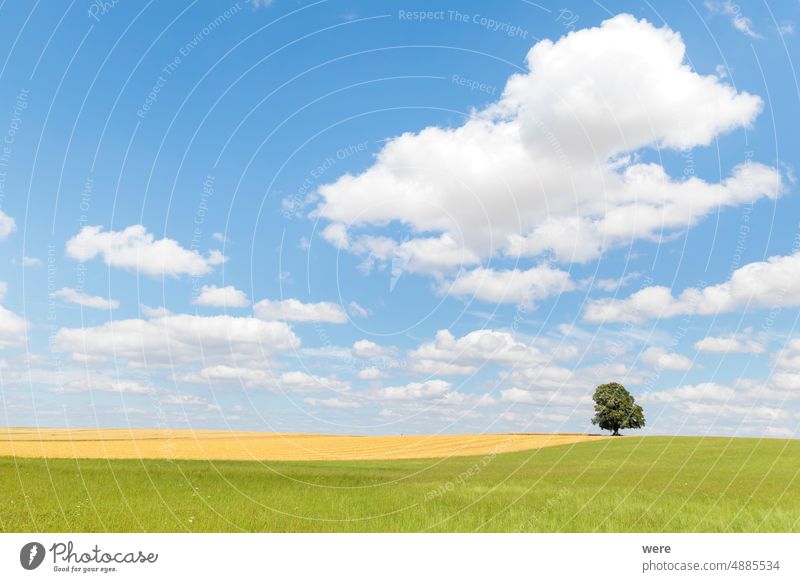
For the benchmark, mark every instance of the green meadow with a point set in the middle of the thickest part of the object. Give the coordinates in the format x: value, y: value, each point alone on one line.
x: 630, y: 484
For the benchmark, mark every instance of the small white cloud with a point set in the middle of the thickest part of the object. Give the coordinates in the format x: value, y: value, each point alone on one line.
x: 74, y: 296
x: 663, y: 360
x: 29, y: 262
x: 371, y: 373
x: 331, y: 403
x: 135, y: 249
x: 734, y: 13
x: 150, y: 312
x: 511, y: 286
x: 416, y: 390
x: 294, y: 310
x: 357, y: 310
x: 228, y: 296
x: 7, y: 225
x: 729, y: 344
x: 366, y: 350
x: 219, y: 237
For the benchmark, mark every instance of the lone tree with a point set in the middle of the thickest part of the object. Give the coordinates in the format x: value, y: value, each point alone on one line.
x: 615, y: 408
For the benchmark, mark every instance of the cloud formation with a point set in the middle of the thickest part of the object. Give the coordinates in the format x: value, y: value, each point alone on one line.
x: 135, y: 249
x: 548, y: 168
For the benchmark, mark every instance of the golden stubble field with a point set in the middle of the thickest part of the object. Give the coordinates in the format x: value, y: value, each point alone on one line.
x: 255, y: 446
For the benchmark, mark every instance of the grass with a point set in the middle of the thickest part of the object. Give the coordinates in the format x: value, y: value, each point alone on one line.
x: 632, y: 484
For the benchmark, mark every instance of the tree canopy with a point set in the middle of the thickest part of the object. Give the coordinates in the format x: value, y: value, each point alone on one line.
x: 616, y: 409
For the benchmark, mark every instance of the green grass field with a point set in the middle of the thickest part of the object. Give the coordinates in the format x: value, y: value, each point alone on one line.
x: 621, y: 485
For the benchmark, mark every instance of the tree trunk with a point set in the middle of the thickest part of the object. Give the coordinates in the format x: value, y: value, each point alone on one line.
x: 616, y: 432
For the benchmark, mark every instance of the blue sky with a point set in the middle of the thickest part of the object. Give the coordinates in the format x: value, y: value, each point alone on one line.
x: 400, y: 217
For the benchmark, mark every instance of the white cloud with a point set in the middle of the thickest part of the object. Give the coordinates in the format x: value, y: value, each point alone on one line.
x: 704, y: 391
x: 74, y: 296
x: 729, y: 344
x: 228, y: 296
x: 447, y: 355
x: 663, y: 360
x: 544, y: 168
x: 371, y: 373
x: 357, y: 310
x: 734, y: 13
x: 219, y: 237
x: 331, y: 403
x: 417, y: 391
x: 366, y: 350
x: 178, y: 339
x: 222, y: 374
x: 7, y: 225
x: 771, y: 283
x: 297, y: 381
x: 789, y: 355
x: 612, y: 284
x: 148, y: 311
x: 137, y: 250
x: 30, y: 262
x: 511, y: 286
x: 293, y: 381
x: 294, y: 310
x: 786, y: 28
x: 102, y: 384
x: 13, y: 328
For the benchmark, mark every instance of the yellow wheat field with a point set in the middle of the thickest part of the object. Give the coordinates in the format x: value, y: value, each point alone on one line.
x: 255, y: 446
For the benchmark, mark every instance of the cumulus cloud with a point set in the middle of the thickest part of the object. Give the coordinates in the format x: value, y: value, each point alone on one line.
x: 331, y: 403
x: 135, y: 249
x: 729, y: 344
x: 76, y: 297
x: 293, y: 381
x: 417, y: 391
x: 294, y: 310
x: 704, y: 391
x: 447, y: 355
x: 103, y: 384
x: 7, y: 225
x: 12, y: 327
x: 546, y: 168
x: 371, y: 373
x: 228, y: 296
x: 663, y: 360
x: 771, y: 283
x: 30, y: 262
x: 511, y: 286
x: 178, y: 340
x: 366, y: 350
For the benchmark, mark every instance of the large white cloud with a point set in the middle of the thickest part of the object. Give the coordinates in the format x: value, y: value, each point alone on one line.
x: 294, y: 310
x: 178, y: 339
x: 771, y: 283
x: 545, y: 168
x: 135, y: 249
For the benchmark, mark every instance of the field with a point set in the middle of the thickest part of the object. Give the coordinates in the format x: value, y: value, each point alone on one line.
x: 625, y: 484
x: 220, y: 445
